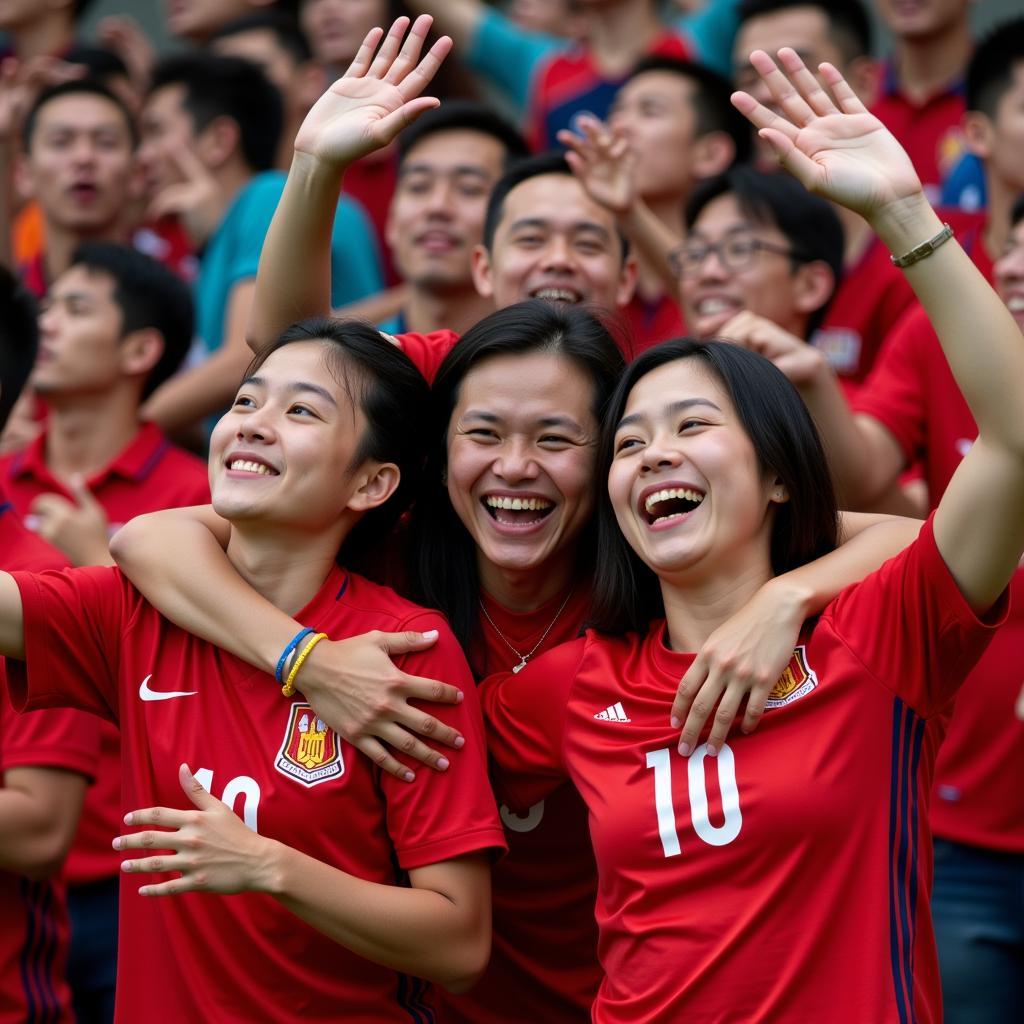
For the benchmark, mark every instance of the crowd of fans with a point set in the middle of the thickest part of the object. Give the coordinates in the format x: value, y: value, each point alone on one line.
x: 587, y: 189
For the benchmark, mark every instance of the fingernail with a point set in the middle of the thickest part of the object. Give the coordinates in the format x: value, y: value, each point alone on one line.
x: 675, y: 723
x: 431, y: 634
x: 459, y: 743
x: 712, y: 750
x: 460, y: 697
x: 126, y: 865
x: 127, y: 819
x: 118, y: 843
x: 409, y: 776
x: 442, y: 763
x: 684, y: 749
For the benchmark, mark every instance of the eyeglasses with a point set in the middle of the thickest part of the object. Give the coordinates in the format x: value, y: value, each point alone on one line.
x: 736, y: 253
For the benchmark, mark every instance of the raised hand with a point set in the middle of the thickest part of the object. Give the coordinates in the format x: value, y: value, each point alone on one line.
x: 830, y: 143
x: 376, y: 97
x: 603, y: 162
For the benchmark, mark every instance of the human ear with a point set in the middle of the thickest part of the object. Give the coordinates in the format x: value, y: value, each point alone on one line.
x: 483, y: 277
x: 815, y: 285
x: 140, y: 351
x: 378, y: 481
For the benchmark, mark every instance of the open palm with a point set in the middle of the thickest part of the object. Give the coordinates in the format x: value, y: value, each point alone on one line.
x: 831, y: 143
x: 377, y: 96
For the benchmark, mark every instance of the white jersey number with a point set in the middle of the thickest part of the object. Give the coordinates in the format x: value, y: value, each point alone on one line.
x: 713, y: 835
x: 240, y: 785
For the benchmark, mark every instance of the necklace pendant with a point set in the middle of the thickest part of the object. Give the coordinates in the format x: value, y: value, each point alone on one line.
x: 519, y: 667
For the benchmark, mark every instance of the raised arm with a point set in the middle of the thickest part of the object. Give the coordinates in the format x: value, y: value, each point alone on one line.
x: 835, y: 147
x: 352, y: 684
x: 362, y: 111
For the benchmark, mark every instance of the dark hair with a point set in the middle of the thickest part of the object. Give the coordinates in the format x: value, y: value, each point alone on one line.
x: 19, y: 339
x: 553, y: 162
x: 777, y: 199
x: 392, y: 395
x: 626, y: 592
x: 847, y: 22
x: 149, y: 296
x: 711, y: 103
x: 1017, y: 212
x: 466, y: 115
x: 76, y: 87
x: 219, y: 86
x: 444, y: 551
x: 991, y: 68
x: 284, y: 29
x: 98, y: 61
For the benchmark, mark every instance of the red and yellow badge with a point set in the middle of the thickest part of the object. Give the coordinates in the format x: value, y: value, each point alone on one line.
x: 797, y: 680
x: 310, y: 753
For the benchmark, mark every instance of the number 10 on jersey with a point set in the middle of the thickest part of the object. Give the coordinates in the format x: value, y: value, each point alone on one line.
x: 714, y: 835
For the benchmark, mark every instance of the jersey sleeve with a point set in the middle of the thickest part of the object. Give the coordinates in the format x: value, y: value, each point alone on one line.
x: 355, y: 256
x: 74, y: 623
x: 893, y: 393
x: 249, y: 224
x: 53, y: 738
x: 712, y: 29
x: 441, y: 815
x: 910, y: 626
x: 507, y: 56
x: 427, y: 351
x: 525, y: 717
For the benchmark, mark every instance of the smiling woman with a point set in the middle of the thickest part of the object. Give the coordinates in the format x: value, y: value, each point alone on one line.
x: 313, y: 457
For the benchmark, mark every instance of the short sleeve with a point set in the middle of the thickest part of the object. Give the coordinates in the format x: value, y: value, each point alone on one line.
x: 250, y: 221
x: 910, y: 626
x: 74, y: 623
x: 893, y: 393
x: 52, y: 738
x: 507, y: 56
x: 441, y: 815
x: 525, y: 715
x: 355, y: 257
x: 427, y: 351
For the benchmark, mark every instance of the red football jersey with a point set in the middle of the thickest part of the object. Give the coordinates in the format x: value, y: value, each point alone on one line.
x: 786, y: 880
x: 651, y: 323
x: 978, y: 796
x: 544, y: 963
x: 872, y: 295
x: 93, y: 642
x: 34, y: 922
x: 150, y: 474
x: 427, y: 351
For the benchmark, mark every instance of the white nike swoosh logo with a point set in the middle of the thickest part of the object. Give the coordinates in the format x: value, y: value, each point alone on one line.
x: 147, y: 694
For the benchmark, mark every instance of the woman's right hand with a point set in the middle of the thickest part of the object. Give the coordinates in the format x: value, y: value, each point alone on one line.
x: 356, y: 688
x: 831, y: 143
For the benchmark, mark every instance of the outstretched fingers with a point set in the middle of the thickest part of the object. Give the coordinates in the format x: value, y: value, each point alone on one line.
x: 849, y: 102
x: 412, y: 47
x: 364, y: 55
x: 389, y: 48
x: 787, y: 96
x: 422, y: 75
x: 807, y: 85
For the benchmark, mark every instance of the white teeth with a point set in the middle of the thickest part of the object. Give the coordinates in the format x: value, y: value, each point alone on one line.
x: 518, y: 504
x: 556, y: 295
x: 712, y: 307
x: 1015, y: 304
x: 669, y: 493
x: 245, y: 466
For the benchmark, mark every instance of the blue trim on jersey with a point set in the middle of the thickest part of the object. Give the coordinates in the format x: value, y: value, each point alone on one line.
x: 5, y: 507
x: 342, y: 588
x: 411, y: 990
x: 907, y: 738
x: 151, y: 463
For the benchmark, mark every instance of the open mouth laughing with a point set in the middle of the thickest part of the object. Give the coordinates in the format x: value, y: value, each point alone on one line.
x: 517, y: 510
x: 669, y: 504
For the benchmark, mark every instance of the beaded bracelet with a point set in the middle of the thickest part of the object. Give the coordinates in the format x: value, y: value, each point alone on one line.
x: 289, y: 684
x: 288, y: 652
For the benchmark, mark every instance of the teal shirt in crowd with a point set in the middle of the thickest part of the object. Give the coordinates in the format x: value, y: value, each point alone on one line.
x: 233, y: 253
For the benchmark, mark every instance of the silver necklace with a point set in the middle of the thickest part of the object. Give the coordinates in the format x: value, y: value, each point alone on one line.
x: 524, y: 658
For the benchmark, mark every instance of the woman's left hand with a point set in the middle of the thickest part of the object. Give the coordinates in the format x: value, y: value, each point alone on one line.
x: 743, y: 658
x: 212, y: 847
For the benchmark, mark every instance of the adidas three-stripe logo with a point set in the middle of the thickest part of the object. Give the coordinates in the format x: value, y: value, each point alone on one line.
x: 615, y: 713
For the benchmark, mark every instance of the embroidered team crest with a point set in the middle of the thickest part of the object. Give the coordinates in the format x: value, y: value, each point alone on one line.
x: 797, y: 680
x: 310, y: 753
